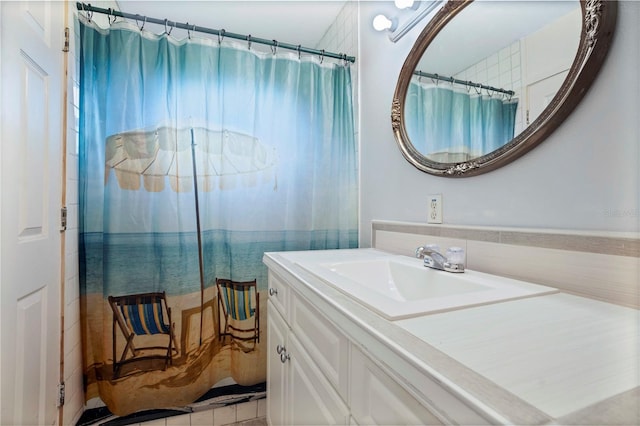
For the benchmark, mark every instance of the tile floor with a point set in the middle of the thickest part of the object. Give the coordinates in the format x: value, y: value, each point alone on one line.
x: 250, y: 413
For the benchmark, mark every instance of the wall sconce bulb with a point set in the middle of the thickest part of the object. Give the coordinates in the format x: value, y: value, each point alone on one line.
x: 406, y: 4
x: 382, y: 23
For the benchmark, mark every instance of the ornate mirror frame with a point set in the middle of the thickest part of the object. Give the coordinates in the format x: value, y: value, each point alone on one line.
x: 599, y: 19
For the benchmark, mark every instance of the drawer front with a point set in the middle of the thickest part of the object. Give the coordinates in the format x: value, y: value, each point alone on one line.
x: 376, y: 399
x: 326, y: 345
x: 278, y: 293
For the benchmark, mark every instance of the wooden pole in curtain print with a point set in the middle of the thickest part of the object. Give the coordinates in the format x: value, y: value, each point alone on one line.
x: 198, y: 230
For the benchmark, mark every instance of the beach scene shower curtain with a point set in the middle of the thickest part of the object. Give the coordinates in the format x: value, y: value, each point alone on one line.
x: 196, y: 157
x: 450, y: 124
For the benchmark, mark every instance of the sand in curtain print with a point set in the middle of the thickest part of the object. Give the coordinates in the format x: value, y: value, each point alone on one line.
x: 144, y: 385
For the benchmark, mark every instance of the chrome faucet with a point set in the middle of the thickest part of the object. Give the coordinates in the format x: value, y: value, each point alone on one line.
x: 432, y: 257
x: 430, y: 253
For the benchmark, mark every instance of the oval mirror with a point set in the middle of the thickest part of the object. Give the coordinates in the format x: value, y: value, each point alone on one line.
x: 487, y: 81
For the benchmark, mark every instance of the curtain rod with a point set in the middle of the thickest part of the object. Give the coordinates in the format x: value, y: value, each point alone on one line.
x: 463, y: 82
x: 220, y: 33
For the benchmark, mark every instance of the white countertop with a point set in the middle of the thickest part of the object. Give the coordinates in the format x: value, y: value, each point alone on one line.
x: 559, y: 352
x: 544, y: 359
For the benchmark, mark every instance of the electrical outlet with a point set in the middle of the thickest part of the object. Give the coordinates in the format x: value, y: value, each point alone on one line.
x: 435, y: 209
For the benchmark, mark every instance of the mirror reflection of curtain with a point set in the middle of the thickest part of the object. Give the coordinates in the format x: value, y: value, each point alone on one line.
x: 450, y: 125
x: 143, y: 100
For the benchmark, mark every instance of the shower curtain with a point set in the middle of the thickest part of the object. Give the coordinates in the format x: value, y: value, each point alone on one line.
x: 268, y: 141
x: 451, y: 125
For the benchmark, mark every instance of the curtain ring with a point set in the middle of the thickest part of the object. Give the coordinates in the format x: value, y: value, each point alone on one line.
x: 299, y: 56
x: 143, y: 22
x: 322, y: 56
x: 188, y: 31
x: 249, y: 42
x: 109, y: 15
x: 89, y: 12
x: 274, y: 48
x: 165, y: 27
x: 220, y: 35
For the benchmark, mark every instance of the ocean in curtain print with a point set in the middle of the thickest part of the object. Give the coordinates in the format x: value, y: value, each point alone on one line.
x: 169, y: 261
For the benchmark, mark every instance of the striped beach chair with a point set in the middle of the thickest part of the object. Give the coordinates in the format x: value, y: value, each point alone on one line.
x: 144, y: 314
x: 239, y: 307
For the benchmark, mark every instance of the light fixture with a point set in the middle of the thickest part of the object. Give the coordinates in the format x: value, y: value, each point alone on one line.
x: 406, y: 4
x: 419, y: 10
x: 382, y: 23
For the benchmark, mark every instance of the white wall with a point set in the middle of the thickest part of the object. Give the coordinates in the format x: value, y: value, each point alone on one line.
x: 585, y: 176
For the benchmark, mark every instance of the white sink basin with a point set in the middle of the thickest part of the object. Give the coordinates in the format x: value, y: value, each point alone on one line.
x: 399, y: 287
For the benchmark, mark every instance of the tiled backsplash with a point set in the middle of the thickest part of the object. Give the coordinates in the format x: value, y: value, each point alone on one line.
x: 603, y: 266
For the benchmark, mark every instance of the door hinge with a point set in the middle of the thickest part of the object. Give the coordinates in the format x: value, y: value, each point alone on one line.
x: 60, y: 394
x: 63, y: 219
x: 66, y: 40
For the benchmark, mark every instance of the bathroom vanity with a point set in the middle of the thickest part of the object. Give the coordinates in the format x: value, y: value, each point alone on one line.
x: 486, y: 350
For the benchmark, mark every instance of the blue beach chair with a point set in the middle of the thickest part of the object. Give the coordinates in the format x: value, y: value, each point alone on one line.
x: 238, y: 302
x: 144, y: 314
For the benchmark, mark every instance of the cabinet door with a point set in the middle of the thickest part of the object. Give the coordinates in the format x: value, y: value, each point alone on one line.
x: 376, y: 399
x: 277, y: 331
x: 323, y: 341
x: 311, y: 399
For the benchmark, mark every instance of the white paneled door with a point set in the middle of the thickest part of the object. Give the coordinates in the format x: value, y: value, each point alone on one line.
x: 541, y: 93
x: 31, y: 36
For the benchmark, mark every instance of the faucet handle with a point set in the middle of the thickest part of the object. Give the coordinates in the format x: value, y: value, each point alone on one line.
x: 455, y: 259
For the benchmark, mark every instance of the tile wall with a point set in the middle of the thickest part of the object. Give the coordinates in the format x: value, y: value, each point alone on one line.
x: 74, y: 395
x: 503, y: 70
x: 342, y: 37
